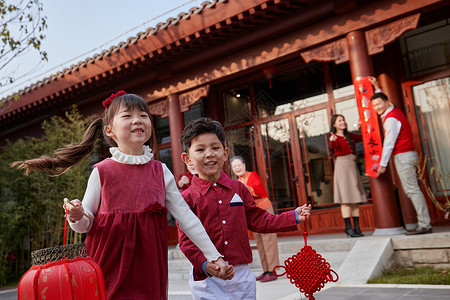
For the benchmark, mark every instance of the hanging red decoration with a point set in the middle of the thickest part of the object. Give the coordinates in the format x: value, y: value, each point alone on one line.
x: 307, y: 270
x: 268, y: 73
x: 370, y: 128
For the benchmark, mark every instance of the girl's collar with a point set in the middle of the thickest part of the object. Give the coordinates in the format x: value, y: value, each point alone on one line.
x: 119, y: 156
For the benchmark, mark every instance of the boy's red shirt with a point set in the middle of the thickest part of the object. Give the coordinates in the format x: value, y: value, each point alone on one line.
x: 227, y: 210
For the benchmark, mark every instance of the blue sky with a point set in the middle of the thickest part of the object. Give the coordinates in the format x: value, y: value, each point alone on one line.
x: 79, y: 29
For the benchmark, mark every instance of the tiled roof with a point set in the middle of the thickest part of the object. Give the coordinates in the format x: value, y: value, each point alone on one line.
x: 130, y: 41
x: 178, y: 43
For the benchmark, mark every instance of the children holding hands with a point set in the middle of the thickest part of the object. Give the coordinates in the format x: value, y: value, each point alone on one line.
x: 227, y: 210
x: 124, y: 208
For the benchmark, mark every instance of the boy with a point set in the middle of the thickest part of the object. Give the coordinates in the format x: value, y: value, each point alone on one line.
x: 227, y: 210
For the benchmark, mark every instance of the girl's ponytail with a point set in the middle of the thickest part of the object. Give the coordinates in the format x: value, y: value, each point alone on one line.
x: 66, y: 157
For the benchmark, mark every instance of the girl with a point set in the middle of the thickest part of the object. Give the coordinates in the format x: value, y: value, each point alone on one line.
x: 348, y: 188
x: 127, y: 199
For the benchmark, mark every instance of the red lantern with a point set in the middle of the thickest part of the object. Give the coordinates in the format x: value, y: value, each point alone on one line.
x: 63, y: 272
x: 268, y: 73
x: 78, y: 278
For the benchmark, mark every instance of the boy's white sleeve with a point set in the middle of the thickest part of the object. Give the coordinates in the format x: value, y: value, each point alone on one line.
x: 187, y: 220
x: 91, y: 202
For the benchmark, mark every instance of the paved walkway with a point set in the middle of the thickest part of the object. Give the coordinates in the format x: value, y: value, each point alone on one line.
x: 282, y: 289
x: 383, y: 292
x: 8, y: 294
x: 272, y: 291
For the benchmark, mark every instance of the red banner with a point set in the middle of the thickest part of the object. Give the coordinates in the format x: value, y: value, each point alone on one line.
x: 373, y: 145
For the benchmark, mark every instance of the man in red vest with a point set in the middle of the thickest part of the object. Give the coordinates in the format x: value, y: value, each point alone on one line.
x: 398, y: 141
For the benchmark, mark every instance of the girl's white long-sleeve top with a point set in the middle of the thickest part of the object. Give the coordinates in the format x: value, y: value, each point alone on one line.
x: 175, y: 203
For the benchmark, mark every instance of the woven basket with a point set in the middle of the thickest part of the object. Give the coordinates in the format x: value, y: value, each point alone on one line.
x: 52, y: 254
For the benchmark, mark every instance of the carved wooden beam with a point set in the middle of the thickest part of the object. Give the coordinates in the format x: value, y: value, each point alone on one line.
x: 377, y: 38
x: 159, y: 108
x: 337, y: 51
x: 186, y: 100
x: 189, y: 98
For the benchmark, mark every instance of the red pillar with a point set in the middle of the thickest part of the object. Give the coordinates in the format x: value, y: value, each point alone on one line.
x: 390, y: 88
x: 386, y: 214
x: 176, y: 124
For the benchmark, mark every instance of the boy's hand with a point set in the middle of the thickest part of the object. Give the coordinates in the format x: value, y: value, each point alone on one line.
x: 212, y: 269
x: 75, y: 212
x: 302, y: 211
x: 229, y: 273
x: 220, y: 269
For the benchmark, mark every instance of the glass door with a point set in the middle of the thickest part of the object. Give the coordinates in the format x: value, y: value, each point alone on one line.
x: 428, y: 109
x: 312, y: 134
x: 279, y: 162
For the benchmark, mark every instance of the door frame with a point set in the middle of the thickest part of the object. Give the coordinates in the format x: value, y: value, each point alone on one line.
x: 300, y: 187
x: 407, y: 86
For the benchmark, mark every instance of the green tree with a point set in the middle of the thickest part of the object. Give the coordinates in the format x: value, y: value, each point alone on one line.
x: 31, y: 213
x: 22, y: 27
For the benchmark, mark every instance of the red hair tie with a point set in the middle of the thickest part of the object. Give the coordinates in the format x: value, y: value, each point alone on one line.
x: 108, y: 101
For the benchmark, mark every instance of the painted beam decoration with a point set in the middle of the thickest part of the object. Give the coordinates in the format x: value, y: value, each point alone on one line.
x: 370, y: 129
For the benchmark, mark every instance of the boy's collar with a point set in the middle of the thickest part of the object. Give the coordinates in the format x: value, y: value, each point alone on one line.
x: 203, y: 186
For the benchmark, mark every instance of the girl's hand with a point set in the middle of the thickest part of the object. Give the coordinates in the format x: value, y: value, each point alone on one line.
x: 222, y: 267
x: 333, y: 137
x: 75, y: 211
x: 229, y: 273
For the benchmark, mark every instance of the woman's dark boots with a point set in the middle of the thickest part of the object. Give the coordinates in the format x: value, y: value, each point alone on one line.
x: 357, y: 230
x: 348, y: 228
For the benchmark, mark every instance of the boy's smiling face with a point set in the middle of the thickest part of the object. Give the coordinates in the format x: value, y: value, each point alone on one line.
x: 208, y: 155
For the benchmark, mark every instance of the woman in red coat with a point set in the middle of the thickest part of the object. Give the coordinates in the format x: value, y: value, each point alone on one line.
x: 266, y: 243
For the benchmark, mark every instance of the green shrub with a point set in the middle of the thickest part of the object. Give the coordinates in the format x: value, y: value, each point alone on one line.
x: 31, y: 213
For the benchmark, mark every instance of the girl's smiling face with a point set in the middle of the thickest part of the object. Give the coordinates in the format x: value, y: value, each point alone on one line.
x: 130, y: 129
x: 208, y: 155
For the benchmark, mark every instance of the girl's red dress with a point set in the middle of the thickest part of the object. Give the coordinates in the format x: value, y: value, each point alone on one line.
x: 128, y: 237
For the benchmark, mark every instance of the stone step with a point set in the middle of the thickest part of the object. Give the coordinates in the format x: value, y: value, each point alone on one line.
x: 293, y: 245
x: 368, y: 255
x: 333, y: 250
x: 179, y: 267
